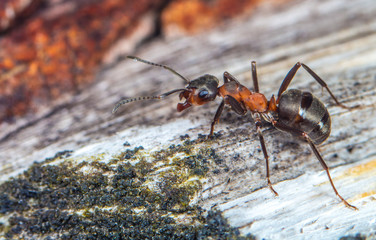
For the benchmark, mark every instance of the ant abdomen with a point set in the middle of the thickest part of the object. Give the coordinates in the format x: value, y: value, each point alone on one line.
x: 304, y: 111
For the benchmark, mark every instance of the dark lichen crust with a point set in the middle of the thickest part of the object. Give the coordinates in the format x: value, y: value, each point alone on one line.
x: 134, y: 195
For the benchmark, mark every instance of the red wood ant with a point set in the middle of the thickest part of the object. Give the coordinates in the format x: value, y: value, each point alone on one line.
x: 296, y: 112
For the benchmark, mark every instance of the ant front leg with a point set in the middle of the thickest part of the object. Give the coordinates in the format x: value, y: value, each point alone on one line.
x: 257, y: 119
x: 216, y: 117
x: 227, y: 77
x: 290, y: 75
x: 236, y: 106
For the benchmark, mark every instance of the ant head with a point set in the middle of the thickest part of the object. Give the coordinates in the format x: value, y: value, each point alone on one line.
x: 199, y: 91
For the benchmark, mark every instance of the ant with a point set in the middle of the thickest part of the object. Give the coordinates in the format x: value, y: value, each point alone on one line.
x: 299, y: 113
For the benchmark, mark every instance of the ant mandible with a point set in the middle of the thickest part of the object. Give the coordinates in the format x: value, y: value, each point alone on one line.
x: 296, y: 112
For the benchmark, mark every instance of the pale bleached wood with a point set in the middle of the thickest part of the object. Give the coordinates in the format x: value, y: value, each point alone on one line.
x: 337, y: 40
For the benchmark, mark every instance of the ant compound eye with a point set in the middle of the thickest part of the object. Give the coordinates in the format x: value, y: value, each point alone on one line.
x: 203, y: 94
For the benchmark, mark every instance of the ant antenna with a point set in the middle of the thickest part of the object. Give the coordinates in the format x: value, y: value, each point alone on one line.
x: 128, y: 100
x: 159, y: 65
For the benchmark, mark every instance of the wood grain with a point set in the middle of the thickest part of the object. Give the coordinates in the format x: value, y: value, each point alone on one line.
x: 336, y: 40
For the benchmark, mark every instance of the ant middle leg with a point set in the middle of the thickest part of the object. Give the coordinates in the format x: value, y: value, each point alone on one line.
x: 290, y: 75
x: 263, y: 147
x: 254, y: 77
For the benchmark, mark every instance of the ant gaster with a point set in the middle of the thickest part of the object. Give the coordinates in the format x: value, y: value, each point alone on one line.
x: 296, y: 112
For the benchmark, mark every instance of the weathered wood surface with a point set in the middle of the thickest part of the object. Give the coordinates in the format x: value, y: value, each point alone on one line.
x: 337, y: 40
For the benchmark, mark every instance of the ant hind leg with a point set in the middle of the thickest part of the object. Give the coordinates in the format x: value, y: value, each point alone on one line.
x: 323, y: 84
x: 290, y: 75
x: 303, y: 134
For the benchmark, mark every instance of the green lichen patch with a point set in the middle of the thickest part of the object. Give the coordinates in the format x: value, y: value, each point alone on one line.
x: 136, y: 195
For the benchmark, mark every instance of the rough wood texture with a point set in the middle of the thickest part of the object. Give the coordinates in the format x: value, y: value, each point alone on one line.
x: 336, y: 40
